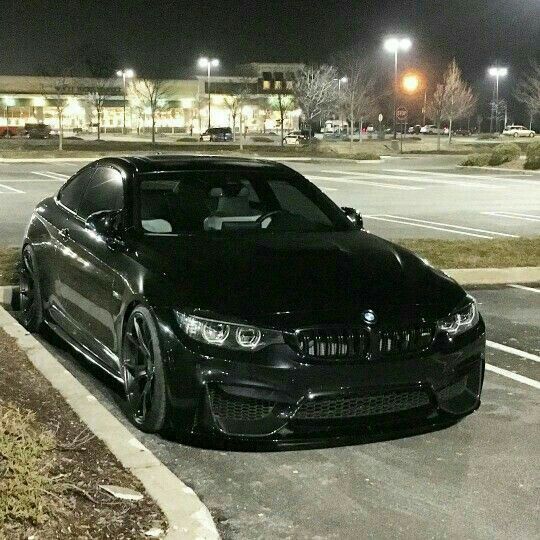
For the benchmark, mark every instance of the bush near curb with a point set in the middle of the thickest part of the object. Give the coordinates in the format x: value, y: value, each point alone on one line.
x: 533, y: 156
x: 503, y: 153
x: 477, y: 160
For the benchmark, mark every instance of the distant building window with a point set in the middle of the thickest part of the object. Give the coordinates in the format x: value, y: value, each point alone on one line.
x: 278, y: 75
x: 267, y: 75
x: 266, y: 85
x: 289, y: 85
x: 278, y: 85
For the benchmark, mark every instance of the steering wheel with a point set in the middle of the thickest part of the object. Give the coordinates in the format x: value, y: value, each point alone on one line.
x: 266, y: 219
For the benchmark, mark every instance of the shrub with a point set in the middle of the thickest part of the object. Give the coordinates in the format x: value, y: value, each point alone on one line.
x: 503, y: 153
x: 533, y: 156
x: 365, y: 156
x: 487, y: 136
x: 477, y: 160
x: 261, y: 139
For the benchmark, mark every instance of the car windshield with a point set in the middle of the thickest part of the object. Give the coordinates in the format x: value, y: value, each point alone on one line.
x: 225, y: 201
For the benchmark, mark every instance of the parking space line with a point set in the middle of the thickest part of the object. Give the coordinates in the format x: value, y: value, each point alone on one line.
x: 452, y: 226
x: 362, y: 182
x: 414, y: 179
x: 523, y: 287
x: 412, y: 224
x: 511, y: 375
x: 511, y: 350
x: 327, y: 189
x: 10, y: 189
x: 475, y: 176
x: 512, y: 215
x: 58, y: 178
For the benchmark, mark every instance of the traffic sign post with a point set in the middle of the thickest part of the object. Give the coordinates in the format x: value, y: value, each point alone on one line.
x: 401, y: 115
x: 381, y: 134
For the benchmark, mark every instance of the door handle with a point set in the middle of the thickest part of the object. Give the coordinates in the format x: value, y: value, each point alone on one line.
x: 64, y: 233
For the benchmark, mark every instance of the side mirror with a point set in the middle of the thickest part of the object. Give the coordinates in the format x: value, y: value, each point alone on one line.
x: 105, y: 223
x: 354, y: 215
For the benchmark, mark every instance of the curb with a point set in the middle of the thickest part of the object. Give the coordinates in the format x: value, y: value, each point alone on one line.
x: 495, y: 276
x: 187, y: 516
x: 525, y: 172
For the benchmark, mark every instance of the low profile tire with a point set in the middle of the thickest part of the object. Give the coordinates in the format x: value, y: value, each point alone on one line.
x: 30, y: 301
x: 143, y: 372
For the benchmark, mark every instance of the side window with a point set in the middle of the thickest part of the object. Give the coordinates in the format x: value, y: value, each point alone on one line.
x: 104, y: 192
x: 71, y: 194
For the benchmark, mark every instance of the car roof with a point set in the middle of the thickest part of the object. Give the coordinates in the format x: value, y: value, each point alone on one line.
x: 160, y: 162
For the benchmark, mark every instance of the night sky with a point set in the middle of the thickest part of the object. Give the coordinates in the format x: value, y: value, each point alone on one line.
x: 167, y: 36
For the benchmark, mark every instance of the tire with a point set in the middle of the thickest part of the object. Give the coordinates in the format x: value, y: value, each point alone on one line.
x: 516, y: 135
x: 531, y: 134
x: 143, y: 372
x: 30, y: 300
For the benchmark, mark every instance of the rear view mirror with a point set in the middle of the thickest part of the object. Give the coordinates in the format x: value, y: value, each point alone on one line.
x: 354, y: 215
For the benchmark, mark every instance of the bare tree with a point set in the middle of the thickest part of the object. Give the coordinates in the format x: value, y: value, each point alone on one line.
x: 233, y: 104
x: 435, y: 110
x: 314, y: 89
x: 58, y: 91
x: 357, y: 96
x: 281, y: 103
x: 152, y: 94
x: 243, y: 98
x: 528, y: 91
x: 100, y: 91
x: 458, y: 99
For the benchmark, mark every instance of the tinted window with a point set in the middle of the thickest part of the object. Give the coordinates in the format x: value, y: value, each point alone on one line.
x: 71, y: 194
x: 104, y: 192
x: 209, y: 201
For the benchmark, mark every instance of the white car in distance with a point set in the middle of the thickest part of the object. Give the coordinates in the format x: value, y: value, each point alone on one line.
x: 518, y: 131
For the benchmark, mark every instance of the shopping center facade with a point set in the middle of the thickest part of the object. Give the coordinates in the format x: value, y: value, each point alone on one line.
x: 183, y: 108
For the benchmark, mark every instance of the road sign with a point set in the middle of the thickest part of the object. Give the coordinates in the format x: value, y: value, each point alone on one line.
x: 380, y: 117
x: 401, y: 114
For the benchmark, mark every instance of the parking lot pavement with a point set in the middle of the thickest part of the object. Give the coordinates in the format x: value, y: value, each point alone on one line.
x: 408, y: 197
x: 478, y: 479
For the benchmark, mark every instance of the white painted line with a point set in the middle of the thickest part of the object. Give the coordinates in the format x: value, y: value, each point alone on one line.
x: 427, y: 227
x: 46, y: 175
x: 362, y: 182
x: 514, y: 376
x: 463, y: 176
x: 523, y: 287
x: 328, y: 189
x: 419, y: 180
x: 60, y: 175
x: 10, y: 189
x: 452, y: 226
x: 508, y: 215
x: 511, y: 350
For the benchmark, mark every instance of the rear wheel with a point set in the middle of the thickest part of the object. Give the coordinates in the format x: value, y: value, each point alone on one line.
x: 31, y: 304
x: 531, y: 134
x: 516, y: 135
x: 143, y: 372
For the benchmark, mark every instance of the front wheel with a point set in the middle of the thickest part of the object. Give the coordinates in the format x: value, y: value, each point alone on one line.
x: 30, y: 300
x: 516, y: 135
x: 531, y: 134
x: 143, y: 372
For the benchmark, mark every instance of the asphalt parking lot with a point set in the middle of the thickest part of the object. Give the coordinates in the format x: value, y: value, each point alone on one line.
x: 478, y: 479
x: 408, y: 197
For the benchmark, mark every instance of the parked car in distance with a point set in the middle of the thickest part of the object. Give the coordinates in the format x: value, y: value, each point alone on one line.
x: 37, y: 131
x: 296, y: 137
x: 414, y: 130
x: 518, y: 131
x: 217, y: 134
x: 431, y: 129
x: 463, y: 132
x: 233, y: 299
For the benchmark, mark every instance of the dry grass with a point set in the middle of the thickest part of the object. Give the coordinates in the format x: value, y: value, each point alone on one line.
x: 477, y: 253
x: 9, y: 260
x: 28, y: 491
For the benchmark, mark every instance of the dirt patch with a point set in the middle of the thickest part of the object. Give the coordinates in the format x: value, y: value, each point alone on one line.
x: 54, y: 466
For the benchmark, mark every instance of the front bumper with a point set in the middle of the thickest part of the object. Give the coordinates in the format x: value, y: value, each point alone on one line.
x: 280, y: 399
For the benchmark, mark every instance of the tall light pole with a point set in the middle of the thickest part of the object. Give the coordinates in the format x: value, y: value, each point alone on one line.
x: 340, y: 81
x: 496, y: 72
x: 125, y: 74
x: 394, y: 45
x: 208, y: 63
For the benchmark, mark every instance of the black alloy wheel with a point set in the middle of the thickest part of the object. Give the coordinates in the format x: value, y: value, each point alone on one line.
x: 142, y: 372
x: 30, y: 301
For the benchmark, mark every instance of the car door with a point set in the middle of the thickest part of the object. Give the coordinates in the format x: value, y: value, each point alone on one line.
x: 57, y: 220
x: 90, y: 268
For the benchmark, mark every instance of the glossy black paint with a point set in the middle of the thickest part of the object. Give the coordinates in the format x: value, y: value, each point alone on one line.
x: 93, y: 273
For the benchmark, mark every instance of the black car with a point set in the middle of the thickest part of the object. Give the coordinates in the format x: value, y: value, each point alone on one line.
x: 218, y: 134
x: 233, y: 298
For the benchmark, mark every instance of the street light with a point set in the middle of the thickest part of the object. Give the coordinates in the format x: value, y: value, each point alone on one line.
x: 340, y: 81
x: 125, y: 74
x: 394, y: 45
x: 208, y: 63
x: 496, y: 72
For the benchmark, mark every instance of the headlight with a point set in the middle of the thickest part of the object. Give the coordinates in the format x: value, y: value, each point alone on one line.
x: 227, y: 334
x: 461, y: 320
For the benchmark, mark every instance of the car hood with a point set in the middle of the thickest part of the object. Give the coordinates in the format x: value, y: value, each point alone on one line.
x: 270, y: 278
